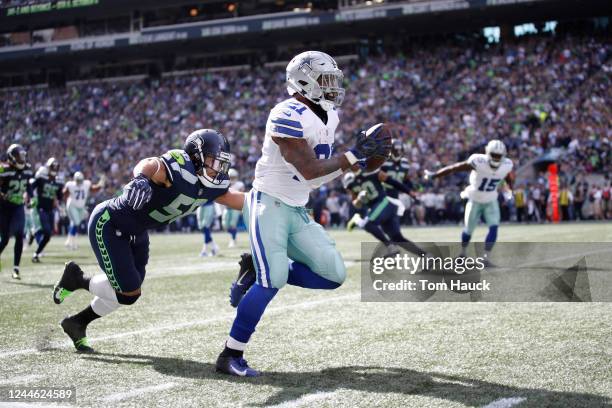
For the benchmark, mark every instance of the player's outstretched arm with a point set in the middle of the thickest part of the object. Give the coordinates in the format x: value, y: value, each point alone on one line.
x: 445, y: 171
x: 100, y: 185
x: 232, y: 199
x: 300, y: 155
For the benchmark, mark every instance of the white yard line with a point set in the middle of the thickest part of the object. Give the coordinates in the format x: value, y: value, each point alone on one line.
x: 138, y: 391
x: 178, y: 326
x: 187, y: 270
x: 305, y: 400
x: 505, y: 402
x: 21, y: 379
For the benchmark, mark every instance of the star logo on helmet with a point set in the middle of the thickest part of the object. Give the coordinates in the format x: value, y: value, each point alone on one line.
x: 307, y: 61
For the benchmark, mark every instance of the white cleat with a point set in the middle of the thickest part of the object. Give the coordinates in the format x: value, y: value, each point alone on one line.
x: 214, y: 250
x: 232, y: 244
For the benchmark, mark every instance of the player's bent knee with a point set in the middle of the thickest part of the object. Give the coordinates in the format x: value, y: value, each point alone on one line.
x: 124, y: 299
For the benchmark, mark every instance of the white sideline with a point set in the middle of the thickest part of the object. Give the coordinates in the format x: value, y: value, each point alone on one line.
x: 19, y: 380
x: 173, y: 327
x: 305, y: 400
x: 505, y: 402
x: 138, y: 391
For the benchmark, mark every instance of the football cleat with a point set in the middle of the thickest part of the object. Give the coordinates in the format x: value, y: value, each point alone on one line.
x: 70, y: 281
x: 35, y: 258
x: 76, y: 332
x: 246, y: 279
x: 231, y: 243
x: 236, y: 366
x: 353, y: 222
x: 16, y: 274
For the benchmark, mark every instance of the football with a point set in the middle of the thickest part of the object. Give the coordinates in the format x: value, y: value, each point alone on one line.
x: 375, y: 162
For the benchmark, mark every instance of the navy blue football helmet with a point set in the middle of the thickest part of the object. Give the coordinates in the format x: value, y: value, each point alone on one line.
x: 209, y: 149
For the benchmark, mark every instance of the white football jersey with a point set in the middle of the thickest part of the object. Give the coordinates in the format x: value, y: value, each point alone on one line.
x: 78, y: 193
x: 484, y: 179
x: 291, y: 118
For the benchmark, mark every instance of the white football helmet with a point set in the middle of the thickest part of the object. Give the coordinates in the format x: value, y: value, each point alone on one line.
x: 78, y: 177
x: 496, y: 151
x: 42, y: 172
x: 233, y: 174
x: 348, y: 179
x: 316, y: 76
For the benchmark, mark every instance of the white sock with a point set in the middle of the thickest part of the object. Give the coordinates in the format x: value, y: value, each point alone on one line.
x: 102, y: 307
x: 235, y: 344
x: 100, y: 286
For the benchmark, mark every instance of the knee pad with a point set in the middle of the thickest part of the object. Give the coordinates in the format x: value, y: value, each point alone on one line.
x: 126, y: 300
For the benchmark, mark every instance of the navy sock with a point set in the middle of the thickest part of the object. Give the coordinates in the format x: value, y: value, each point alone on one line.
x: 465, y: 239
x: 302, y: 276
x: 233, y: 231
x: 491, y: 238
x: 86, y: 316
x: 207, y: 236
x: 250, y: 310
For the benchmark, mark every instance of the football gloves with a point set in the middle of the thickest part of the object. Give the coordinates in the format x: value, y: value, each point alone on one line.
x: 138, y: 192
x: 371, y: 142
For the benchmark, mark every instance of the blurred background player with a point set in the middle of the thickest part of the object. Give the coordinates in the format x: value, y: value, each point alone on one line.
x: 394, y: 175
x: 14, y: 192
x: 382, y: 219
x: 163, y: 189
x: 206, y: 219
x: 76, y: 192
x: 231, y: 216
x: 47, y: 193
x: 287, y: 245
x: 486, y: 172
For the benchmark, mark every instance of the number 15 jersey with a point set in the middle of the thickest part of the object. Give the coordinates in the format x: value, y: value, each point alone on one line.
x: 484, y: 179
x: 292, y: 119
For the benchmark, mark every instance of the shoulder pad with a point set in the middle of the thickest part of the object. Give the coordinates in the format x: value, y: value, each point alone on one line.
x: 286, y: 121
x: 476, y: 160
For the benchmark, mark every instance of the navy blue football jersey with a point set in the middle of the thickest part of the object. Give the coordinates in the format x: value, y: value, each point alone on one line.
x: 167, y: 204
x: 13, y: 184
x: 369, y: 183
x: 45, y: 191
x: 398, y: 170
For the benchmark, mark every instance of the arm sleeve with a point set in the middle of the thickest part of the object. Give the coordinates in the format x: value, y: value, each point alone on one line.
x: 284, y: 122
x: 400, y: 186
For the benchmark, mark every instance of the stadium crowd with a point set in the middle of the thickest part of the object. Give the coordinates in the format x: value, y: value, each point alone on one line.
x: 445, y: 101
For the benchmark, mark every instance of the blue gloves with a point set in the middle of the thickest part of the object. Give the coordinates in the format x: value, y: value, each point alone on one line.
x: 138, y: 192
x: 372, y: 142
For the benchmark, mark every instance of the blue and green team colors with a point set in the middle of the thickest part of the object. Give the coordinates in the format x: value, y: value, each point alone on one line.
x: 14, y: 183
x: 369, y: 183
x: 184, y: 196
x: 398, y: 170
x: 46, y: 191
x: 108, y: 265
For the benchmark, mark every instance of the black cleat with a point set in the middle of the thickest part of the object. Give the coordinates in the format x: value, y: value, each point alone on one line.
x: 30, y: 238
x: 16, y: 274
x: 76, y: 332
x: 35, y: 258
x: 246, y: 279
x: 71, y: 280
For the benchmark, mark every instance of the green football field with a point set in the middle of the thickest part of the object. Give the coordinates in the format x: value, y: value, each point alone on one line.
x: 316, y: 348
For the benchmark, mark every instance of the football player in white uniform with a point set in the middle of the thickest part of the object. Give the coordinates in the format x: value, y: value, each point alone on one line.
x: 487, y: 171
x: 231, y: 216
x: 76, y: 192
x: 287, y: 246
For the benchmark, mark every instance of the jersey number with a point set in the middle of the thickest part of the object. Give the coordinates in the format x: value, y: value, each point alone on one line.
x: 16, y: 187
x: 174, y: 211
x: 79, y: 194
x: 323, y: 151
x: 370, y: 189
x: 488, y: 184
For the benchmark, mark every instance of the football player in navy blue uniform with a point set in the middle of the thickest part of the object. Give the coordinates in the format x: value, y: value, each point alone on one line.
x: 163, y: 189
x: 47, y: 193
x: 14, y: 193
x: 394, y: 176
x: 381, y: 220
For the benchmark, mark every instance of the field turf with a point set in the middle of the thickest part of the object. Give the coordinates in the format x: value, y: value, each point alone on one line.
x: 316, y: 348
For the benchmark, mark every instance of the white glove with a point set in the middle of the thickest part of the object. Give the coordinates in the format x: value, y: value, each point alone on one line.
x: 362, y: 194
x: 508, y: 195
x: 428, y: 175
